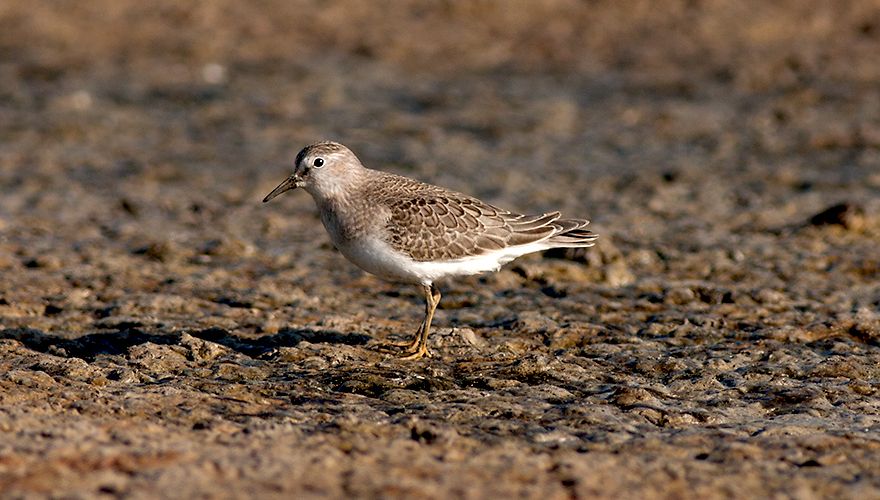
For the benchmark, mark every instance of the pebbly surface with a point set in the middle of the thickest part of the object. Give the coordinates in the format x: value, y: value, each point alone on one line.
x: 162, y: 333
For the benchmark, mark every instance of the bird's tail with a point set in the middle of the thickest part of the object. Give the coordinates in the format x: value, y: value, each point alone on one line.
x: 548, y: 231
x: 571, y: 233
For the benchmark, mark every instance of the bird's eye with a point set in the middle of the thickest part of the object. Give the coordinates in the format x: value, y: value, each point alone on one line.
x: 318, y: 163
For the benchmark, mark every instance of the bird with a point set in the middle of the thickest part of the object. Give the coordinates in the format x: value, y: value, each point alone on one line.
x: 407, y: 231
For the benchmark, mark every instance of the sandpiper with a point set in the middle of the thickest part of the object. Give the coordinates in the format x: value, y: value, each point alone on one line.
x: 403, y: 230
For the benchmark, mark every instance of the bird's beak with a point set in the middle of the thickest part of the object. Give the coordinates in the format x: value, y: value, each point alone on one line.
x: 291, y: 182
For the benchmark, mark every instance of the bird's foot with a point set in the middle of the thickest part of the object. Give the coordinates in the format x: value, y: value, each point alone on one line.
x: 419, y: 353
x: 404, y: 348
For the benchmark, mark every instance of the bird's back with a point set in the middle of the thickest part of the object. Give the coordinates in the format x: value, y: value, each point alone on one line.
x: 431, y: 223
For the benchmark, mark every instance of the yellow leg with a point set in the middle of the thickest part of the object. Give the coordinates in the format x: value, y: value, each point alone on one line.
x: 419, y: 347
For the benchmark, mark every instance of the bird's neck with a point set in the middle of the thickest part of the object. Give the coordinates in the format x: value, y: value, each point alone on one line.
x: 336, y: 195
x: 339, y: 191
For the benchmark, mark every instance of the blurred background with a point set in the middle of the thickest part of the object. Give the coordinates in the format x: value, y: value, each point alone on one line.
x: 144, y: 134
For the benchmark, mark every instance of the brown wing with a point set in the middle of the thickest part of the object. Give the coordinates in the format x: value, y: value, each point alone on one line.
x: 431, y: 223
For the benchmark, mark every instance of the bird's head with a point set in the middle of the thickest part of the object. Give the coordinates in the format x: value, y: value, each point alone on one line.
x: 324, y: 169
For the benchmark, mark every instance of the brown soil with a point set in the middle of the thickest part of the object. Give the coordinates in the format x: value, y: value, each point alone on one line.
x: 163, y: 333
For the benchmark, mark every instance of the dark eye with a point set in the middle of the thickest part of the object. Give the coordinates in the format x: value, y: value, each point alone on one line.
x: 318, y: 163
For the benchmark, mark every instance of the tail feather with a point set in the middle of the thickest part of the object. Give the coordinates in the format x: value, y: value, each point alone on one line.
x: 572, y: 234
x: 522, y: 223
x: 550, y: 231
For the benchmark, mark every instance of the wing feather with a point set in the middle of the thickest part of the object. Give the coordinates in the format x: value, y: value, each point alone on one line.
x: 431, y: 223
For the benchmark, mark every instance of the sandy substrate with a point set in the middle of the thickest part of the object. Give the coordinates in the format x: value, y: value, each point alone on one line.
x: 162, y: 333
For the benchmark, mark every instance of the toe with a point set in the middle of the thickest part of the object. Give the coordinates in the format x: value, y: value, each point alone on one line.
x: 418, y: 354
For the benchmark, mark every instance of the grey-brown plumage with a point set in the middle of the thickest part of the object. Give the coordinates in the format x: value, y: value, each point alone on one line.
x: 432, y: 223
x: 405, y: 230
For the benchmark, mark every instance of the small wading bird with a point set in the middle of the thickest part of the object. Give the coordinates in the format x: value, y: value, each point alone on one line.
x: 403, y: 230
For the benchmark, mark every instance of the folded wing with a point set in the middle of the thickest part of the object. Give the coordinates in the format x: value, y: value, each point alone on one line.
x: 435, y: 224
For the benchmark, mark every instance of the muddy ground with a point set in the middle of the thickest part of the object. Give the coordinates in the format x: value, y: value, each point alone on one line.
x: 163, y: 333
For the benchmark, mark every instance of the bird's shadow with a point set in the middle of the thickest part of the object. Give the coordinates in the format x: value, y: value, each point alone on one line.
x: 92, y: 345
x: 286, y: 337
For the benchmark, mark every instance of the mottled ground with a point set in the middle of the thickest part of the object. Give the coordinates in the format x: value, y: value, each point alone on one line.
x: 162, y: 333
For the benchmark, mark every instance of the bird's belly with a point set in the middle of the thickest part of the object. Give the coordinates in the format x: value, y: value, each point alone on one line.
x: 377, y: 257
